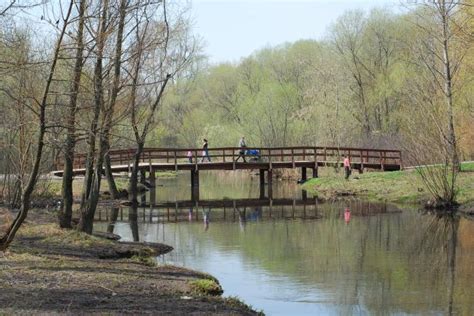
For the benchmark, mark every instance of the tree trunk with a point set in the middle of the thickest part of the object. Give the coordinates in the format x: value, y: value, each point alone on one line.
x: 133, y: 185
x: 113, y: 99
x: 86, y: 188
x: 65, y: 213
x: 89, y: 204
x: 448, y: 93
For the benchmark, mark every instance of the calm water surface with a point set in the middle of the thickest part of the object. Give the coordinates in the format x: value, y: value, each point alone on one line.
x: 307, y: 258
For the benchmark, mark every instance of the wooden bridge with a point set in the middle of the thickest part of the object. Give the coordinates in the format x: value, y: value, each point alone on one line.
x: 267, y: 160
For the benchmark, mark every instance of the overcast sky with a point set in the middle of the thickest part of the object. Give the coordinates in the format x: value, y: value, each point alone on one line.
x: 233, y: 29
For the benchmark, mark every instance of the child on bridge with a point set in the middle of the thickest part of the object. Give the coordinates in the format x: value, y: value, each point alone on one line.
x: 347, y: 167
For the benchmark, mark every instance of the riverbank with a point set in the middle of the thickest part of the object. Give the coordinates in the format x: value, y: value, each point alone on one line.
x: 53, y: 185
x: 399, y: 187
x: 49, y: 270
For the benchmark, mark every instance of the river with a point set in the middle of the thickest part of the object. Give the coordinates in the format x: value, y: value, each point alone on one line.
x: 295, y: 256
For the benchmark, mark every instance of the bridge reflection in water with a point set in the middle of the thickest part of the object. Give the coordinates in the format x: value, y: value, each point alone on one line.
x: 238, y: 210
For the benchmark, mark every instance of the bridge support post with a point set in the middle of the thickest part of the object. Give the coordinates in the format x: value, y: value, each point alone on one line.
x: 195, y: 185
x: 262, y: 183
x: 315, y: 172
x: 270, y: 181
x: 152, y: 180
x: 304, y: 195
x: 303, y: 174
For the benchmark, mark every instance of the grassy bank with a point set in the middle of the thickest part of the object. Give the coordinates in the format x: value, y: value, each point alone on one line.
x: 50, y: 271
x: 52, y: 187
x: 401, y: 187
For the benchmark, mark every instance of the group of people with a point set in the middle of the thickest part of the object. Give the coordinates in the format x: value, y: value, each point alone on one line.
x: 243, y: 146
x: 205, y: 151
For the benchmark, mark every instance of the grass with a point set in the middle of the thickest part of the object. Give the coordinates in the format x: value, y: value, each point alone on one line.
x: 52, y: 187
x: 400, y: 187
x: 52, y: 234
x: 166, y: 174
x: 206, y: 287
x: 237, y: 302
x: 467, y: 167
x: 145, y: 260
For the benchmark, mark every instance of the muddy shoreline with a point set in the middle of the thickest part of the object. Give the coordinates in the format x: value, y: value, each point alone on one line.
x: 49, y: 270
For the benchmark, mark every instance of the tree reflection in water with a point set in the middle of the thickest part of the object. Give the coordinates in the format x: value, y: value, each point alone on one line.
x: 442, y: 237
x: 114, y: 212
x: 384, y: 261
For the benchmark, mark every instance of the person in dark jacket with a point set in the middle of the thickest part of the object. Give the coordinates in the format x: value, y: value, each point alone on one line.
x: 205, y: 151
x: 242, y: 146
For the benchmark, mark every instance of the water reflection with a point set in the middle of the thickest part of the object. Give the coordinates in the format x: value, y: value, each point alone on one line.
x: 384, y: 261
x: 206, y: 219
x: 114, y: 212
x: 347, y: 215
x: 442, y: 230
x: 240, y: 209
x: 297, y: 256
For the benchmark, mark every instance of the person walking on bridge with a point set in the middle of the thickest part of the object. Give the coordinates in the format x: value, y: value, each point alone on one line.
x: 205, y: 151
x: 242, y: 146
x: 347, y: 167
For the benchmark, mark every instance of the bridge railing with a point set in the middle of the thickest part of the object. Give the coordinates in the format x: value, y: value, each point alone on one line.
x: 359, y: 156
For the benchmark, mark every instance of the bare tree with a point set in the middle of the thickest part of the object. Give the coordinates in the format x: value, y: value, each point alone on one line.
x: 9, y: 235
x: 11, y: 5
x: 439, y: 54
x: 116, y: 86
x: 160, y: 57
x: 65, y: 213
x: 90, y: 195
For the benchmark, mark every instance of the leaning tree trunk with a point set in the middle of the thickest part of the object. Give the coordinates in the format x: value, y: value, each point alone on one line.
x: 109, y: 176
x: 133, y: 185
x: 9, y: 235
x: 113, y: 98
x: 88, y: 177
x: 65, y: 213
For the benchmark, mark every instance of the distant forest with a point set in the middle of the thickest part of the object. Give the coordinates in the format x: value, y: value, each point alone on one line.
x: 376, y: 80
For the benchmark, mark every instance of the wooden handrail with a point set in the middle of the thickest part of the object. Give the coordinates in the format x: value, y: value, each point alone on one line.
x: 282, y: 154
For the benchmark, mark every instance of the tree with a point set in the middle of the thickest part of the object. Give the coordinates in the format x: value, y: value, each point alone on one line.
x: 90, y: 195
x: 161, y: 51
x: 438, y: 56
x: 65, y: 213
x: 42, y: 104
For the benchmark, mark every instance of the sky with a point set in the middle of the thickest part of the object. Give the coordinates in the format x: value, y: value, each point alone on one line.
x: 232, y: 29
